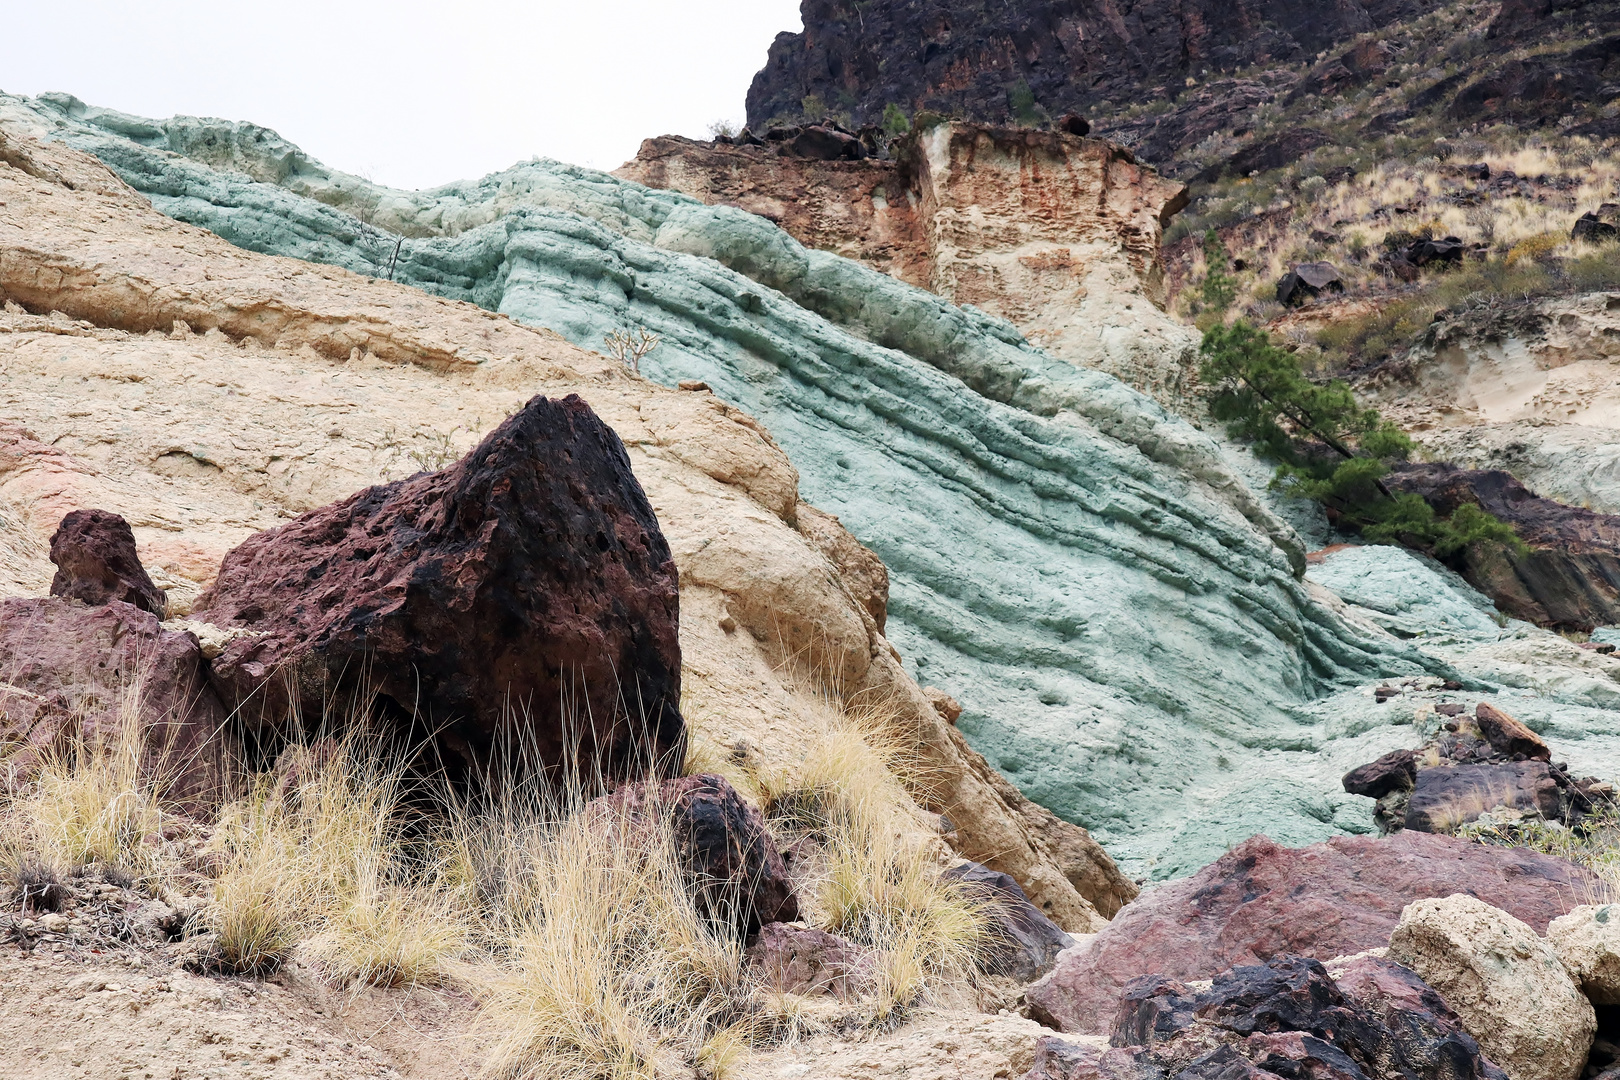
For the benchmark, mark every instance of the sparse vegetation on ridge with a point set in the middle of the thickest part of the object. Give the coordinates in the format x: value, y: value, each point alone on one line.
x: 1327, y: 446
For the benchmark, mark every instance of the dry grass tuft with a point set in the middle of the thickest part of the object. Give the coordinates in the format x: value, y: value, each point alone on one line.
x: 96, y: 798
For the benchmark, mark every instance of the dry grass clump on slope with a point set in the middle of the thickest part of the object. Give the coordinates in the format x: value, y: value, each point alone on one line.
x: 576, y: 929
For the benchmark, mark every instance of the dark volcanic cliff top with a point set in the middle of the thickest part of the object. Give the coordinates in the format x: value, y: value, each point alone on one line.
x: 1013, y: 60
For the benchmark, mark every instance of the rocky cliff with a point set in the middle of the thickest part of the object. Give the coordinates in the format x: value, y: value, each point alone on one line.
x: 1119, y: 615
x: 1055, y: 233
x: 987, y: 62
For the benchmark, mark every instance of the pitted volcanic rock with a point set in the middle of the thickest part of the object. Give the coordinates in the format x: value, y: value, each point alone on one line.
x: 520, y: 603
x: 94, y: 552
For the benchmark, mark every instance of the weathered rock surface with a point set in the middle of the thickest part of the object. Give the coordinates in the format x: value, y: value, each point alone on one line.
x: 1262, y: 901
x: 289, y: 422
x: 1034, y: 516
x: 94, y: 553
x: 968, y: 60
x: 1587, y: 942
x: 1289, y: 1017
x: 1055, y: 233
x: 1571, y: 577
x: 521, y: 602
x: 801, y: 960
x: 1537, y: 398
x: 67, y: 670
x: 1503, y: 980
x: 735, y: 870
x: 1023, y: 943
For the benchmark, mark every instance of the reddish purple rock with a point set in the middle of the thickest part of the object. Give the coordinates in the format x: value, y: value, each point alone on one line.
x: 1261, y: 900
x: 732, y: 862
x: 67, y: 670
x: 800, y: 960
x: 1022, y: 942
x: 94, y: 553
x: 519, y: 604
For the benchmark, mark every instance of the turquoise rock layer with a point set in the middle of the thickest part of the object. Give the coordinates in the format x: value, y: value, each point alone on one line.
x: 1119, y: 615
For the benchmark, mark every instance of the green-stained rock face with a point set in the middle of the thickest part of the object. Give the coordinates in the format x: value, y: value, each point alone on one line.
x: 1118, y: 613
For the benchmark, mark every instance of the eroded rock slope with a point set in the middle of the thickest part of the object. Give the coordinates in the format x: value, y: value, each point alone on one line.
x: 1119, y: 615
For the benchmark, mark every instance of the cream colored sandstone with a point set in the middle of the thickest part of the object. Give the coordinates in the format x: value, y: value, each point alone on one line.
x: 1503, y: 980
x: 1587, y: 941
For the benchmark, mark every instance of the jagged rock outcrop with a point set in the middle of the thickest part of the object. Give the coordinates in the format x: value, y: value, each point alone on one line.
x: 1261, y: 901
x: 94, y: 553
x: 1038, y: 58
x: 1570, y: 578
x: 1115, y: 609
x: 1055, y: 233
x: 1531, y: 393
x: 208, y: 393
x: 520, y: 604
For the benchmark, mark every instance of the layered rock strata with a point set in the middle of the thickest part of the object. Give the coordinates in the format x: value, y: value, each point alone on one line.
x: 1117, y: 612
x: 207, y: 393
x: 1055, y: 233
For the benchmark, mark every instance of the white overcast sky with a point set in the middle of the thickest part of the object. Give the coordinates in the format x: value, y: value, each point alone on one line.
x: 410, y: 94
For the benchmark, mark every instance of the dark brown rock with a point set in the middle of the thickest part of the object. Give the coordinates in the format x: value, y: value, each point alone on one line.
x: 1507, y: 736
x: 1023, y: 943
x: 69, y: 670
x: 1395, y: 771
x: 1261, y: 900
x: 1569, y: 580
x: 973, y: 60
x: 94, y: 553
x: 1290, y: 1018
x: 1449, y: 796
x: 1308, y: 281
x: 1426, y: 1037
x: 1598, y: 226
x: 735, y: 870
x: 1282, y: 149
x: 520, y: 603
x: 800, y: 960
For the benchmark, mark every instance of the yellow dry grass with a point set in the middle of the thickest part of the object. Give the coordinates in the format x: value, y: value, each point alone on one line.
x: 96, y: 797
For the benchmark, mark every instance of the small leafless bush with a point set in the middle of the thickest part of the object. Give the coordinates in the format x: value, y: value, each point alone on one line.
x: 628, y: 348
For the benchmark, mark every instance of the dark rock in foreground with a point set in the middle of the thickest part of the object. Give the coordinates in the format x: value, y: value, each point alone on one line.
x: 732, y: 863
x: 1261, y: 901
x: 94, y: 553
x: 1570, y: 580
x: 1024, y: 943
x: 1287, y: 1018
x: 521, y: 603
x: 69, y: 670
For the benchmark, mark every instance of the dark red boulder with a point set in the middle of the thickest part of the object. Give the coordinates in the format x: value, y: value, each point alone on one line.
x: 1261, y: 900
x: 1395, y: 771
x: 733, y: 865
x: 94, y: 553
x: 1023, y: 942
x: 519, y: 604
x: 67, y: 670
